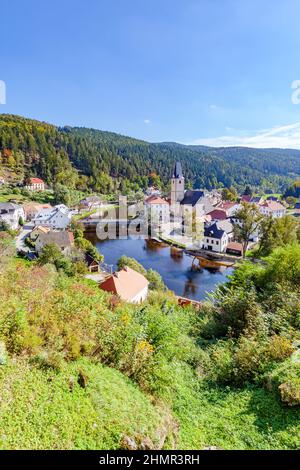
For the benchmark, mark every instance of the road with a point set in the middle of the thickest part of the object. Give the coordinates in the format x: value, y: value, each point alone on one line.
x: 20, y: 239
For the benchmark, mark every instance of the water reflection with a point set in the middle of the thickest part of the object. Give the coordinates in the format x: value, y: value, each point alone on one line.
x: 174, y: 266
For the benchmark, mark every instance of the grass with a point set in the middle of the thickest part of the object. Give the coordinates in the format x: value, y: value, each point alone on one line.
x: 38, y: 410
x: 252, y: 418
x: 38, y: 197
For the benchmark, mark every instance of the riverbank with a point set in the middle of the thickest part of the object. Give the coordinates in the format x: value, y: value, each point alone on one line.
x: 174, y: 266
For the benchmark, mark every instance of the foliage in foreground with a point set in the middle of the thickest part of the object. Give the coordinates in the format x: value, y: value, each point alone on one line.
x: 87, y: 374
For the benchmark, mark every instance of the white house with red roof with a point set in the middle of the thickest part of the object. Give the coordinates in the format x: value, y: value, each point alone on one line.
x: 272, y: 208
x: 36, y: 184
x: 158, y: 209
x: 127, y: 284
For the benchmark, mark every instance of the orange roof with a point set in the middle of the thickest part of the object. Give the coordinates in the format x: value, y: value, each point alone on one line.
x: 155, y: 200
x: 235, y: 246
x: 126, y: 283
x: 36, y: 181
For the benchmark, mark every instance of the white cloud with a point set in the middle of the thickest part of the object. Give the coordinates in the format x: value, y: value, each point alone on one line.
x: 287, y: 136
x: 147, y: 121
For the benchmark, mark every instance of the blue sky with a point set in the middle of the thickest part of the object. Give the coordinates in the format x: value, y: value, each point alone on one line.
x: 217, y: 72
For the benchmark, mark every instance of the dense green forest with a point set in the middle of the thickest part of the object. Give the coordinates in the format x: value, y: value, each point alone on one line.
x: 107, y: 162
x: 80, y: 369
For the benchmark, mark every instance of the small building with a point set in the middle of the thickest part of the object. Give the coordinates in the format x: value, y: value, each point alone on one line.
x: 11, y: 214
x: 228, y: 227
x: 127, y: 284
x: 153, y: 191
x: 158, y: 208
x: 229, y: 207
x: 272, y: 209
x: 235, y: 248
x: 218, y: 214
x: 215, y: 239
x: 91, y: 203
x: 37, y: 231
x: 36, y: 184
x: 92, y: 264
x: 57, y: 218
x: 31, y: 209
x: 63, y: 239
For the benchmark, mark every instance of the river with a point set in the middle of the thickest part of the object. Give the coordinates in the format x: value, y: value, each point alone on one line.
x: 176, y: 271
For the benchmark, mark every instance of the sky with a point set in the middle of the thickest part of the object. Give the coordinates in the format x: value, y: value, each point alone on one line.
x: 212, y: 72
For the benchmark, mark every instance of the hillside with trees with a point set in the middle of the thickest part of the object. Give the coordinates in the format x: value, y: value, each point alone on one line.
x: 106, y: 162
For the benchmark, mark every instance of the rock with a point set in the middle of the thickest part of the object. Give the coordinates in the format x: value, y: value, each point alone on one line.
x: 3, y: 354
x: 82, y: 379
x: 71, y: 384
x: 128, y: 443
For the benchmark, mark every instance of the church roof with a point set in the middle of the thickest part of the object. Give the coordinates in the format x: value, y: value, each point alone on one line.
x: 192, y: 197
x: 177, y: 170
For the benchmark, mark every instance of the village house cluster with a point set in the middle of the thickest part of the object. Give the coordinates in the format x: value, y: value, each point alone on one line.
x: 213, y: 217
x: 217, y: 217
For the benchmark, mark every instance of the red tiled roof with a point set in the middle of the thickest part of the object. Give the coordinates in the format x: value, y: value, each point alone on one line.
x: 126, y: 283
x: 36, y: 181
x: 218, y: 214
x: 155, y: 200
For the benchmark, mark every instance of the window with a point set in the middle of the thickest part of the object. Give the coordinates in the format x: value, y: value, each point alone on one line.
x: 217, y: 242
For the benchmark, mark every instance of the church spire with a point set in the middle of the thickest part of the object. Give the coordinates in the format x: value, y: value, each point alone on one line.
x: 177, y: 171
x: 177, y: 184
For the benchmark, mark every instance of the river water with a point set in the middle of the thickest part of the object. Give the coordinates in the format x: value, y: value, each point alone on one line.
x: 176, y: 271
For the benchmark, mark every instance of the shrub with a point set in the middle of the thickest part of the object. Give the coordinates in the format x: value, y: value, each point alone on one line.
x: 290, y: 392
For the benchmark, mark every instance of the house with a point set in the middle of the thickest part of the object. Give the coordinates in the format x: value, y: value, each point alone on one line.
x: 63, y: 239
x: 272, y: 209
x: 152, y: 191
x: 127, y: 284
x: 31, y: 209
x: 227, y: 226
x: 158, y: 208
x: 11, y: 214
x: 58, y: 217
x: 235, y: 248
x: 215, y: 238
x: 91, y: 203
x: 229, y: 207
x: 37, y: 231
x: 92, y: 264
x: 218, y: 214
x: 35, y: 184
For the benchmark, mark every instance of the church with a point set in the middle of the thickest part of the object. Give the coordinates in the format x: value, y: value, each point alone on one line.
x: 190, y: 199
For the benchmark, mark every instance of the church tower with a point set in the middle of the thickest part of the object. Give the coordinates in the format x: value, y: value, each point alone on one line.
x: 177, y: 184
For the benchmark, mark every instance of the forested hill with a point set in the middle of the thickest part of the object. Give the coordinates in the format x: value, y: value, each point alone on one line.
x: 87, y: 158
